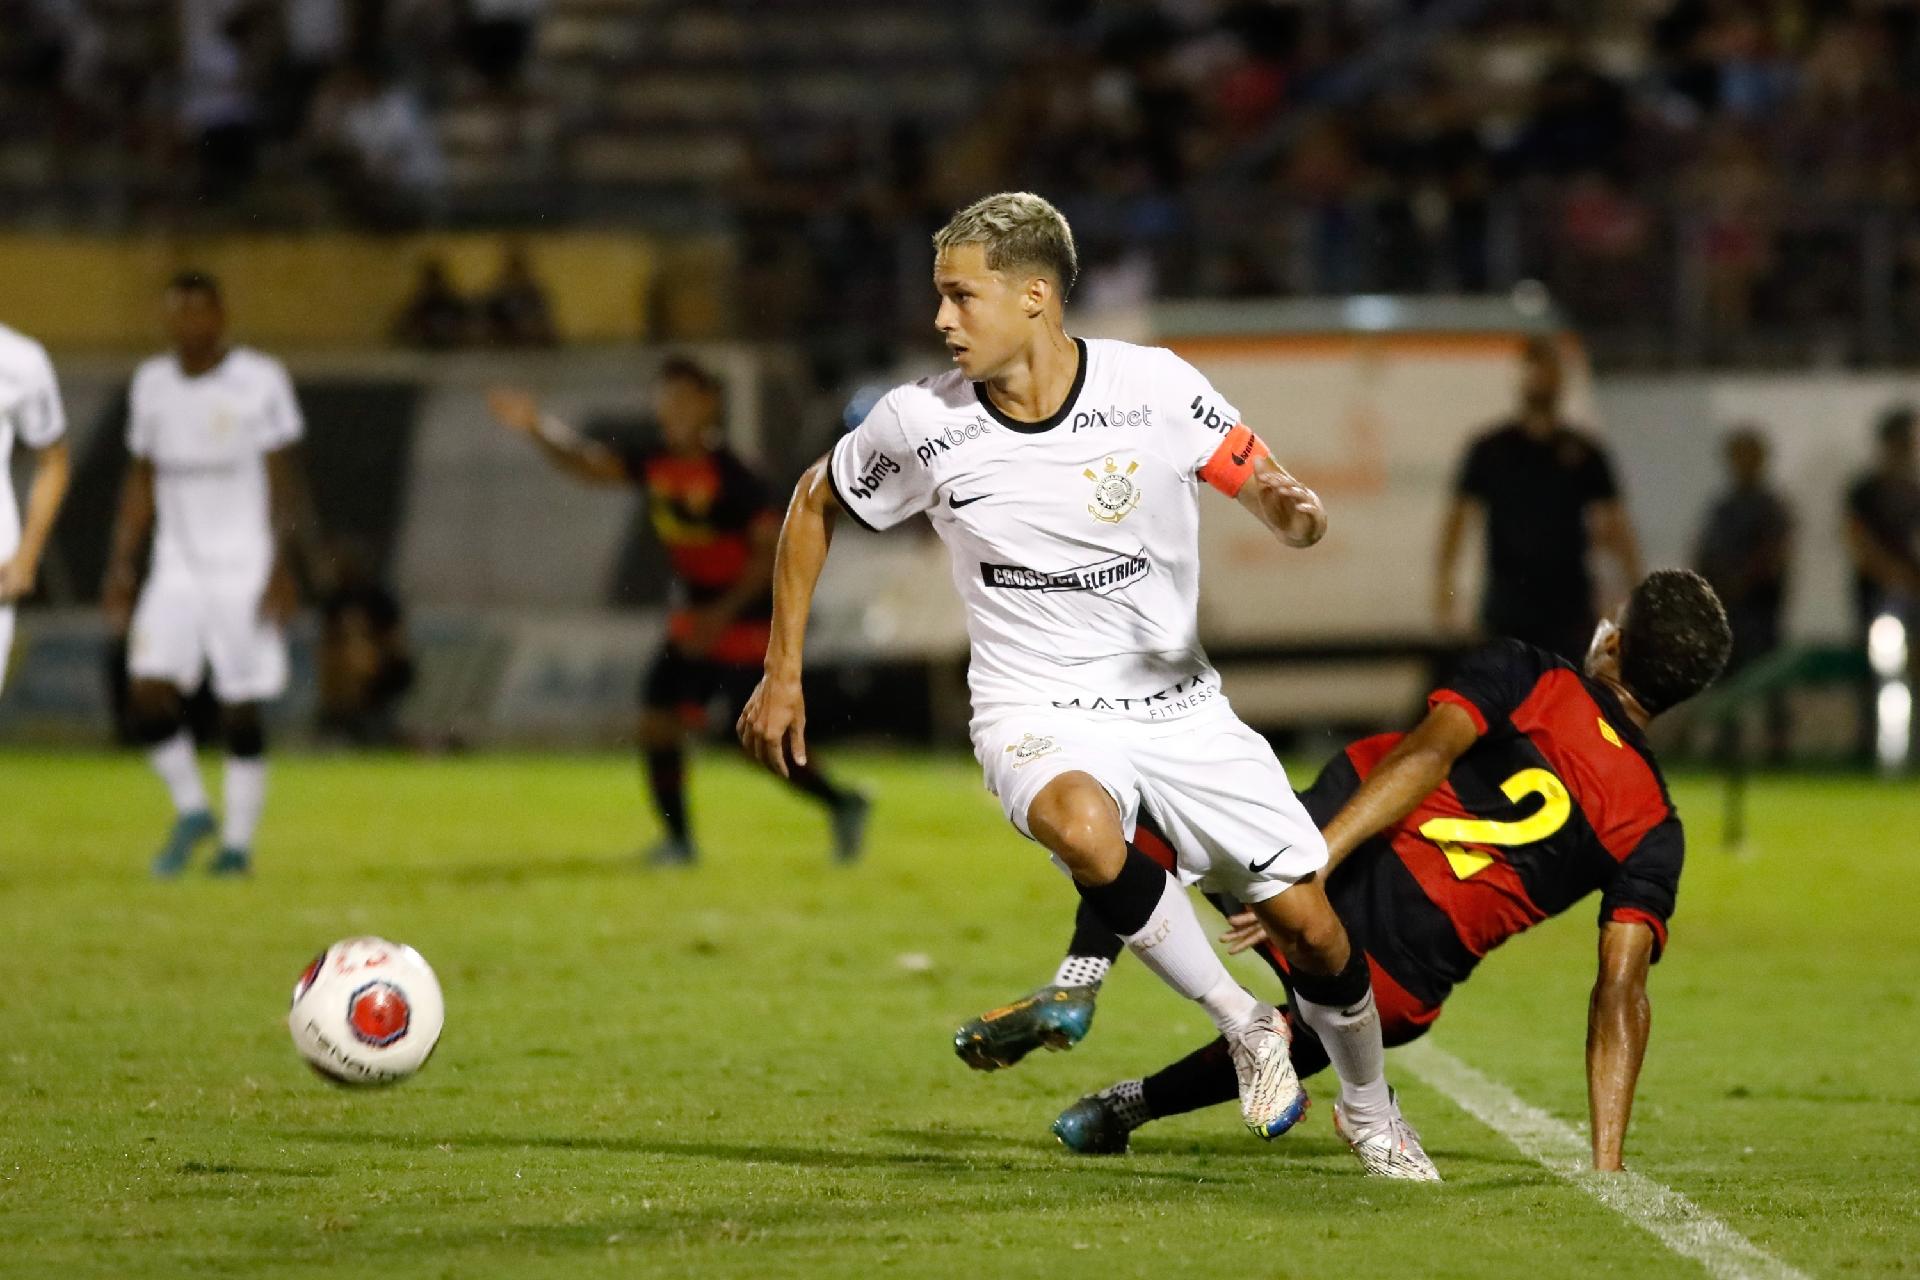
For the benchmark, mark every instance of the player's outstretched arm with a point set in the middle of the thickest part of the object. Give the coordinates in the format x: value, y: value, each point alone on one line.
x: 281, y: 599
x: 1280, y: 502
x: 131, y: 525
x: 1407, y: 775
x: 1462, y: 512
x: 567, y: 449
x: 1619, y: 1020
x: 52, y: 469
x: 774, y: 723
x: 1613, y: 531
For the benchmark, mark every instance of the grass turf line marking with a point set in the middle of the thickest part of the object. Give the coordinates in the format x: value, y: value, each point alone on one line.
x: 1676, y: 1221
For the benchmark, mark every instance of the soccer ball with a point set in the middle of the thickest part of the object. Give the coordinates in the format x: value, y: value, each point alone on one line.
x: 366, y: 1011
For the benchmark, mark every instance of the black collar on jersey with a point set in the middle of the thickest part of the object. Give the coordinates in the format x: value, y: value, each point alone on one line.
x: 1046, y: 424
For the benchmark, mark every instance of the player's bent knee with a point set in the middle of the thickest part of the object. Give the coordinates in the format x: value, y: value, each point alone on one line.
x: 1077, y: 821
x: 245, y: 732
x: 1307, y: 930
x: 153, y: 711
x: 660, y: 729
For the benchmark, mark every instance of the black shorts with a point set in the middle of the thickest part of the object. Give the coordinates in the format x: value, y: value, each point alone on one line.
x: 689, y: 686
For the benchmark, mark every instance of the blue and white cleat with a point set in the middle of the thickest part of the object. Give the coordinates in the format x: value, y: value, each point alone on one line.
x: 231, y: 862
x: 1272, y: 1099
x: 670, y: 852
x: 1056, y: 1017
x: 189, y: 829
x: 1102, y: 1124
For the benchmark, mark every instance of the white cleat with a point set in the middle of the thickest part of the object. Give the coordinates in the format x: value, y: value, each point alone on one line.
x: 1391, y: 1150
x: 1271, y: 1099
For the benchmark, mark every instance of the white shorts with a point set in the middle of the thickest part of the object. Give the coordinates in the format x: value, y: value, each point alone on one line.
x: 182, y: 628
x: 1212, y: 786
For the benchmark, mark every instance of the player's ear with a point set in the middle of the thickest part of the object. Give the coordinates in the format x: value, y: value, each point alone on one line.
x: 1603, y: 652
x: 1033, y: 300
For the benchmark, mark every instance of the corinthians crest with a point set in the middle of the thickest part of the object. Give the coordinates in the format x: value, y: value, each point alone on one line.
x: 1115, y: 495
x: 1030, y: 748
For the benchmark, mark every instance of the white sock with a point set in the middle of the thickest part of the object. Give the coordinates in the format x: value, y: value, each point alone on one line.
x: 1082, y: 971
x: 246, y: 796
x: 1175, y: 947
x: 1351, y: 1038
x: 174, y: 761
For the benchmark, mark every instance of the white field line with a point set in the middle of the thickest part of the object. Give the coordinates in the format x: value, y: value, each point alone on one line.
x: 1676, y: 1221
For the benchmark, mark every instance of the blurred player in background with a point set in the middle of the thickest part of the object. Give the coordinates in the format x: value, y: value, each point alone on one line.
x: 1744, y: 550
x: 211, y: 430
x: 1063, y: 474
x: 30, y: 412
x: 363, y: 664
x: 1544, y: 493
x: 713, y: 515
x: 1528, y: 786
x: 1883, y: 541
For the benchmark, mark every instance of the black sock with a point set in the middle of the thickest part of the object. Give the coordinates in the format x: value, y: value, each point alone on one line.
x: 1125, y: 903
x: 1340, y: 990
x: 809, y: 781
x: 1203, y: 1078
x: 1091, y: 937
x: 667, y: 779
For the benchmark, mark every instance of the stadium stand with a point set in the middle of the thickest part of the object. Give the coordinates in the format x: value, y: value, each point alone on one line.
x: 1723, y: 183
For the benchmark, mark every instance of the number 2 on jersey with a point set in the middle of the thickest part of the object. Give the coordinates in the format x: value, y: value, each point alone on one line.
x: 1450, y: 833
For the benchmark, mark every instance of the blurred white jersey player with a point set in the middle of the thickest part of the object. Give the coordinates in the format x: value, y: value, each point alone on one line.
x: 31, y: 415
x: 1064, y: 476
x: 209, y: 430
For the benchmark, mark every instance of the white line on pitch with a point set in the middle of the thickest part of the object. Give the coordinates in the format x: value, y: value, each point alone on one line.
x: 1679, y: 1224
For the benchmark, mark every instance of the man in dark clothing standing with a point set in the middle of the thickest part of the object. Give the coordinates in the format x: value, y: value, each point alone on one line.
x: 1883, y: 539
x: 1545, y: 493
x: 1883, y: 524
x: 1745, y: 546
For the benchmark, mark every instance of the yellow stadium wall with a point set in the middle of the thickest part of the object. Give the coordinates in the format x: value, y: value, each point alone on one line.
x: 329, y: 290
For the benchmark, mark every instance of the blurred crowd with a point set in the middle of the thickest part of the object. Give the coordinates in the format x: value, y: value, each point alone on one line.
x: 1696, y: 180
x: 193, y: 103
x: 1720, y: 169
x: 1414, y: 146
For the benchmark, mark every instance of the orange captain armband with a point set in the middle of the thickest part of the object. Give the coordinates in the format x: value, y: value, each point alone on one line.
x: 1227, y: 470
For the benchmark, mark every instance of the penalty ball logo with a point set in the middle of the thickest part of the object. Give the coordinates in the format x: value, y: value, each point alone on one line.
x: 378, y: 1014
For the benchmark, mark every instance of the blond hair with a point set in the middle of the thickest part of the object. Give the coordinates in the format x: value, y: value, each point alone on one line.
x: 1017, y: 229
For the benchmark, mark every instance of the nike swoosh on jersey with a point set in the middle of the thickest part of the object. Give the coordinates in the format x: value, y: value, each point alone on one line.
x: 956, y: 502
x: 1258, y: 867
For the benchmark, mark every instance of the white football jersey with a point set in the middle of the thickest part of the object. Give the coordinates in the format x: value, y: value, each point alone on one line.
x: 207, y: 438
x: 30, y: 411
x: 1074, y: 541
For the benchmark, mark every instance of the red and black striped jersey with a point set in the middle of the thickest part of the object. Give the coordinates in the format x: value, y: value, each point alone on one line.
x: 704, y: 509
x: 1559, y: 797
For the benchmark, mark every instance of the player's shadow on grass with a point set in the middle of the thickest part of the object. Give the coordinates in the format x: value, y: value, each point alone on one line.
x: 738, y: 1152
x: 226, y: 1169
x: 519, y: 870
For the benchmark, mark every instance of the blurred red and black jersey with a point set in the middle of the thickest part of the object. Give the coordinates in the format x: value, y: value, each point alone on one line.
x: 705, y: 510
x: 1558, y: 798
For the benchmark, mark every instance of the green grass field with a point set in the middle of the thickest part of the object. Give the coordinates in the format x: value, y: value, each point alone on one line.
x: 743, y: 1070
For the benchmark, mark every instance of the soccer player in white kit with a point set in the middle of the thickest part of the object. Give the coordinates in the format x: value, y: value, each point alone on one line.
x: 1063, y: 475
x: 210, y: 429
x: 30, y: 412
